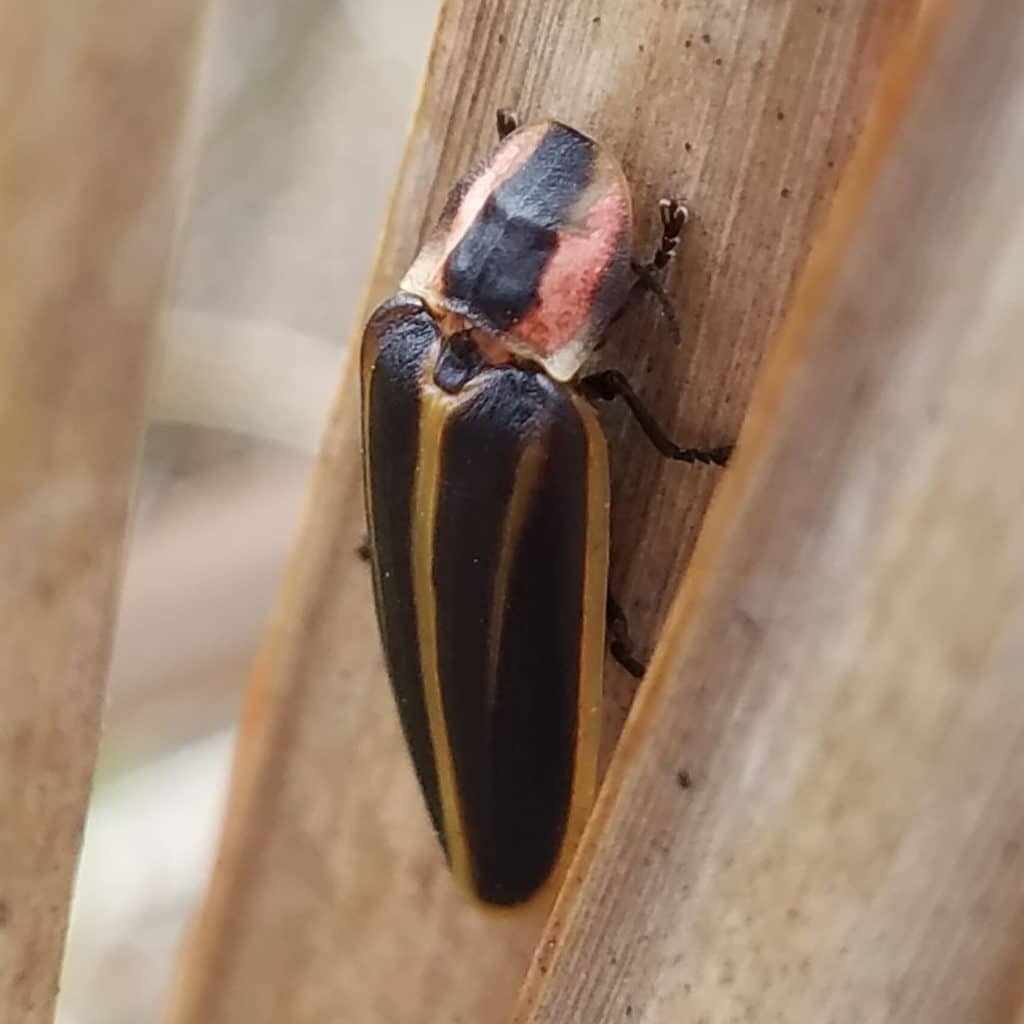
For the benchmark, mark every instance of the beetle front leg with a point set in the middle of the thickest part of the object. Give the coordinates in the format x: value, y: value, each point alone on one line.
x: 508, y: 122
x: 674, y: 216
x: 611, y: 384
x: 619, y: 643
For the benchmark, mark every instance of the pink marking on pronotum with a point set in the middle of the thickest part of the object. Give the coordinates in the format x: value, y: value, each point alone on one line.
x: 572, y: 276
x: 512, y: 154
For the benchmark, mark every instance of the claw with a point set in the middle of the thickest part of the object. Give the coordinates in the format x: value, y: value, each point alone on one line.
x: 674, y: 215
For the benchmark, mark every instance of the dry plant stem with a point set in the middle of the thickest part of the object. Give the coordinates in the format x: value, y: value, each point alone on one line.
x: 330, y: 898
x: 747, y: 111
x: 816, y: 811
x: 92, y: 107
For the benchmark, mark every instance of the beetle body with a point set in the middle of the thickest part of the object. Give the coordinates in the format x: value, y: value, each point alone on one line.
x: 486, y: 482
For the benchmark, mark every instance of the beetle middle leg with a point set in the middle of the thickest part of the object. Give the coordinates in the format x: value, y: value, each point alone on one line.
x: 508, y: 122
x: 619, y: 643
x: 607, y: 385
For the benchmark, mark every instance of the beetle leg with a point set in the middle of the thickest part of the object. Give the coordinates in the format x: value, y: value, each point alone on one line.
x: 620, y: 645
x: 363, y: 550
x: 674, y: 215
x: 508, y: 122
x: 611, y: 384
x: 647, y: 281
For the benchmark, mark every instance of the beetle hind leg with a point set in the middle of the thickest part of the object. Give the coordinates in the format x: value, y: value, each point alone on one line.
x: 619, y: 643
x: 508, y: 122
x: 363, y: 551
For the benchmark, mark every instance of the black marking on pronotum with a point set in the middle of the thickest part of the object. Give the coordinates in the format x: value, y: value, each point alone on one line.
x: 497, y: 265
x: 486, y: 484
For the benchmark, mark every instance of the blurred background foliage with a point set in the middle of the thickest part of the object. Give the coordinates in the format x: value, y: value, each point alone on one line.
x: 298, y: 127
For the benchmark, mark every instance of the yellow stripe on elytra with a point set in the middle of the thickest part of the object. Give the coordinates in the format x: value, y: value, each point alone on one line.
x: 523, y: 485
x: 434, y: 413
x: 590, y: 708
x: 368, y: 354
